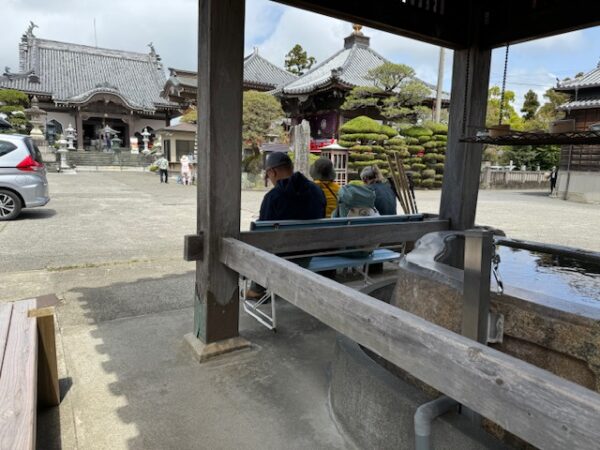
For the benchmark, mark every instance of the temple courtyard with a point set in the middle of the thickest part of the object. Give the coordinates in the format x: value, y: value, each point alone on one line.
x: 109, y: 245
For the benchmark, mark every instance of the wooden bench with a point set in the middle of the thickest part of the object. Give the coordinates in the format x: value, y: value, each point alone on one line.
x: 325, y: 260
x: 28, y: 369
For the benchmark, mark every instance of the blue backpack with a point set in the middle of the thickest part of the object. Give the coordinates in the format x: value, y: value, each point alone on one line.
x: 355, y: 201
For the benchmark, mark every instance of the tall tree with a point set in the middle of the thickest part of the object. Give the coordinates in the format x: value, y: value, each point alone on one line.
x: 297, y: 61
x: 12, y: 106
x: 530, y: 105
x: 260, y: 110
x: 509, y: 114
x: 396, y: 93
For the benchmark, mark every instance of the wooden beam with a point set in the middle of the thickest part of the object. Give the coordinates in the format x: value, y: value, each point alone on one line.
x: 325, y: 238
x: 470, y: 79
x: 220, y: 79
x: 515, y: 21
x: 47, y: 375
x: 17, y: 381
x: 446, y: 27
x: 5, y: 315
x: 541, y: 408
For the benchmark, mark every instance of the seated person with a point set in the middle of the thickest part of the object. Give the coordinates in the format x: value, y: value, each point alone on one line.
x: 355, y: 200
x: 293, y: 197
x: 385, y: 200
x: 323, y: 174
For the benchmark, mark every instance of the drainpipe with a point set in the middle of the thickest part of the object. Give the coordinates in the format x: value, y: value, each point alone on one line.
x: 425, y: 415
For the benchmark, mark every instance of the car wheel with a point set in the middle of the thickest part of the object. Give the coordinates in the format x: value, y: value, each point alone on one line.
x: 10, y: 205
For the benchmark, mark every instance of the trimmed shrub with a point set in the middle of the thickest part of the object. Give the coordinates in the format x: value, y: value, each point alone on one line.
x: 415, y: 149
x: 437, y: 128
x: 439, y: 167
x: 432, y: 157
x: 417, y: 131
x: 437, y: 184
x: 438, y: 177
x: 388, y: 131
x: 441, y: 137
x: 346, y: 144
x: 398, y: 140
x: 416, y: 182
x: 361, y: 148
x: 377, y: 149
x: 361, y: 164
x: 361, y: 124
x: 412, y: 140
x: 364, y: 137
x: 423, y: 139
x: 366, y: 156
x: 427, y: 182
x: 428, y: 173
x: 414, y: 174
x: 430, y: 144
x: 417, y: 167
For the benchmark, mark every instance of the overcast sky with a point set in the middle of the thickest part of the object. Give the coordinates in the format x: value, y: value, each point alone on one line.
x: 171, y: 26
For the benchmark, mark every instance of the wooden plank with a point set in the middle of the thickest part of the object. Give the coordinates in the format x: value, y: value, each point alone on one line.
x: 324, y: 238
x: 470, y: 78
x: 47, y: 381
x: 5, y: 315
x: 220, y: 78
x: 545, y: 410
x: 17, y: 383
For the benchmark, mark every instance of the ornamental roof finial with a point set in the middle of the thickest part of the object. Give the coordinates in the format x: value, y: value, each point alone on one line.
x: 357, y: 28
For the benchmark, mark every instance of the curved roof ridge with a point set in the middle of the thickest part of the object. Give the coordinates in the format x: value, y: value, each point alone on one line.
x: 68, y: 46
x: 589, y: 79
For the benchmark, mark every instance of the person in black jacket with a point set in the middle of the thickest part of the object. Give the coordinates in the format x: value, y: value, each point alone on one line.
x: 293, y: 197
x: 385, y: 200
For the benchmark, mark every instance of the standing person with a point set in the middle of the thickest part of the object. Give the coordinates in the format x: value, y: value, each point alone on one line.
x: 163, y: 168
x: 323, y: 174
x: 185, y: 170
x: 553, y: 178
x: 293, y: 197
x: 385, y: 200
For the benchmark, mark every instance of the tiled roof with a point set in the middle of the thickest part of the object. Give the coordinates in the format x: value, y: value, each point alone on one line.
x: 581, y: 104
x: 260, y: 72
x: 590, y: 79
x: 348, y: 67
x: 72, y: 73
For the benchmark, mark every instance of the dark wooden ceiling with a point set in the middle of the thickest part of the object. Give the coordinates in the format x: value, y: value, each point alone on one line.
x: 460, y: 23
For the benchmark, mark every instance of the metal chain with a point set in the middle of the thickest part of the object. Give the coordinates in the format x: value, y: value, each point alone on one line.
x: 496, y: 271
x: 466, y: 99
x: 503, y: 86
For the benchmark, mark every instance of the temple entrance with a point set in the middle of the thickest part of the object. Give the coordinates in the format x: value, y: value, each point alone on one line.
x: 92, y: 131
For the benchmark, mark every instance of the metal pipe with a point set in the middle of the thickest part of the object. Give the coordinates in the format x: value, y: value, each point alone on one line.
x: 425, y: 415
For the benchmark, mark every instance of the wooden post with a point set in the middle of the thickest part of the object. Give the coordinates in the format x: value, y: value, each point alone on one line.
x: 220, y: 75
x: 79, y: 128
x: 470, y: 73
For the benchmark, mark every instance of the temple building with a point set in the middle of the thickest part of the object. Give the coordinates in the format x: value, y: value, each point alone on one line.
x: 579, y: 177
x: 318, y: 95
x: 92, y: 88
x: 259, y: 75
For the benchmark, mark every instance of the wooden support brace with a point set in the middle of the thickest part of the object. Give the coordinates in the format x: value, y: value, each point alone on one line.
x: 193, y: 247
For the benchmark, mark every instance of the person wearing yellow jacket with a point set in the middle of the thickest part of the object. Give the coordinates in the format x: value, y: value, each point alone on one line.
x: 323, y: 175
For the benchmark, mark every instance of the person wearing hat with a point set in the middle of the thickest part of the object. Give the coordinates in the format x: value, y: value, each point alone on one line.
x: 293, y: 197
x: 385, y: 200
x: 323, y: 174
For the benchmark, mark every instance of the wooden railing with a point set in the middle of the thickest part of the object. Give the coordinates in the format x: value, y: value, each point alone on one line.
x: 541, y: 408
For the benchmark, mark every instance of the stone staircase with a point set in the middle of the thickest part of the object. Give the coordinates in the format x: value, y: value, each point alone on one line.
x: 101, y: 159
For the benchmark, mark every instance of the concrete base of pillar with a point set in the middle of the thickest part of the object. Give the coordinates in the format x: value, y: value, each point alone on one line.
x: 203, y: 352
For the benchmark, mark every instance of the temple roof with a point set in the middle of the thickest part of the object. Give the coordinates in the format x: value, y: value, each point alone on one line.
x: 588, y: 80
x: 259, y: 73
x: 347, y: 68
x: 264, y: 74
x: 71, y: 74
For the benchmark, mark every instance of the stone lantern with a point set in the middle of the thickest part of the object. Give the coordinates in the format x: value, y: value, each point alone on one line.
x: 146, y: 139
x: 62, y: 151
x: 35, y: 114
x: 70, y: 137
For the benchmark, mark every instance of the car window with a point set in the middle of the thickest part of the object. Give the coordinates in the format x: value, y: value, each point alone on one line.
x: 6, y: 147
x: 34, y: 150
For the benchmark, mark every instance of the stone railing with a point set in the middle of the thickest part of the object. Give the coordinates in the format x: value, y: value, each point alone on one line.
x: 515, y: 179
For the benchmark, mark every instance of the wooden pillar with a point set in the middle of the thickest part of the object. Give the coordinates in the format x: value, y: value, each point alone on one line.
x: 79, y: 128
x: 468, y: 104
x: 220, y: 79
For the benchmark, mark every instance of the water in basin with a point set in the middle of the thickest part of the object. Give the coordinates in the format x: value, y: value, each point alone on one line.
x: 557, y: 276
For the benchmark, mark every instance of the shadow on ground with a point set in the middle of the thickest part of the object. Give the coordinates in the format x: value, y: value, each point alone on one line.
x: 137, y: 386
x: 34, y: 214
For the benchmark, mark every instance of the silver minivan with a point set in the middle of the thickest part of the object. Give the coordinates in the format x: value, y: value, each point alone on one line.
x: 23, y: 182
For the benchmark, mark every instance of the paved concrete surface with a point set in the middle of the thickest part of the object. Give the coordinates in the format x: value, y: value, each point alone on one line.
x: 110, y: 244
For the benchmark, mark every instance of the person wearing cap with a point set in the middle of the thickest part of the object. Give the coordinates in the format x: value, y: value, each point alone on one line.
x: 385, y: 200
x: 323, y: 174
x: 293, y: 197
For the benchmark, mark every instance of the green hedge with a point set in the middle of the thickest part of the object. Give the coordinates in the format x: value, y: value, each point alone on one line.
x: 439, y: 167
x: 433, y: 157
x: 361, y: 148
x: 437, y: 184
x: 427, y: 182
x: 364, y: 137
x: 440, y: 137
x: 439, y: 177
x: 423, y: 139
x: 430, y: 144
x: 414, y: 149
x: 437, y: 128
x: 417, y: 131
x: 388, y: 131
x: 417, y: 167
x: 346, y: 144
x: 361, y: 124
x: 428, y: 173
x: 411, y: 140
x: 357, y: 164
x: 397, y: 141
x: 366, y: 156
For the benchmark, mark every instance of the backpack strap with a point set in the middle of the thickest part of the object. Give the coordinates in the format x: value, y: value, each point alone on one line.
x: 330, y: 190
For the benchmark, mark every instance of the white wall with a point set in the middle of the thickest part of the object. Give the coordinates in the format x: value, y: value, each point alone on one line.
x: 65, y: 118
x: 583, y: 186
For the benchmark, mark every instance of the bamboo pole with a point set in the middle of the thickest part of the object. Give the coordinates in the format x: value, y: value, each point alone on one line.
x: 404, y: 181
x: 396, y: 180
